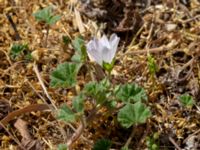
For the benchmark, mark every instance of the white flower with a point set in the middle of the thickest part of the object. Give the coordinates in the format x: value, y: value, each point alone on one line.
x: 103, y: 50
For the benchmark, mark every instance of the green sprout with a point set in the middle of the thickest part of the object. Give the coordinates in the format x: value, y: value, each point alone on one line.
x: 151, y: 64
x: 186, y: 100
x: 17, y: 49
x: 152, y: 142
x: 62, y: 147
x: 45, y: 15
x: 102, y: 144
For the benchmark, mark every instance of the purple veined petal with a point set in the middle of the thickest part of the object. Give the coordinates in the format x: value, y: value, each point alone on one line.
x: 114, y: 41
x: 93, y: 51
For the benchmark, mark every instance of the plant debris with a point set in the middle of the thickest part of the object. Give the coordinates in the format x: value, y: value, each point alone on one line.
x: 53, y: 97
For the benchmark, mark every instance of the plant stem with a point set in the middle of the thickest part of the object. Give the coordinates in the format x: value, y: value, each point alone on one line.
x: 130, y: 137
x: 76, y: 135
x: 89, y: 67
x: 81, y: 128
x: 47, y: 34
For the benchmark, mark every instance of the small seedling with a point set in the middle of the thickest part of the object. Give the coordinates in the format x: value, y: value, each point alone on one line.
x: 62, y: 147
x: 45, y: 15
x: 186, y: 100
x: 17, y: 49
x: 152, y: 143
x: 102, y: 144
x: 151, y: 64
x: 66, y: 40
x: 124, y: 148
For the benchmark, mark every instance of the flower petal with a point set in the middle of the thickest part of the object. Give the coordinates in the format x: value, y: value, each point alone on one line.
x: 114, y: 41
x: 102, y: 49
x: 107, y: 55
x: 104, y: 41
x: 93, y: 51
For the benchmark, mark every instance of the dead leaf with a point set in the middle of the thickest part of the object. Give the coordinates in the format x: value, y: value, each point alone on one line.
x: 27, y: 140
x: 30, y: 108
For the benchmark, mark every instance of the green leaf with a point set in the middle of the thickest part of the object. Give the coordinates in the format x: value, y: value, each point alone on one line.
x: 28, y: 56
x: 133, y: 114
x: 54, y: 19
x: 66, y: 39
x: 46, y: 15
x: 151, y: 142
x: 66, y: 114
x: 108, y: 67
x: 64, y: 75
x: 76, y: 58
x: 98, y: 91
x: 102, y: 144
x: 124, y: 148
x: 131, y: 93
x: 186, y: 100
x: 62, y: 147
x: 17, y: 49
x: 79, y: 45
x: 43, y: 14
x: 152, y: 64
x: 111, y: 104
x: 78, y: 103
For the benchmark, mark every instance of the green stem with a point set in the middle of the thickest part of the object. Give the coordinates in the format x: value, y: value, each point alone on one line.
x: 89, y: 68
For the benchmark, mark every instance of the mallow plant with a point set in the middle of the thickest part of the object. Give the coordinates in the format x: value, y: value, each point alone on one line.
x: 128, y: 100
x: 46, y: 16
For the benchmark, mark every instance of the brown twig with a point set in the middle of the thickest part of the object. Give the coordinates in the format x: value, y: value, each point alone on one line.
x: 144, y: 135
x: 191, y: 19
x: 164, y: 48
x: 189, y: 63
x: 7, y: 57
x: 81, y: 128
x: 14, y: 139
x: 151, y: 50
x: 196, y: 132
x: 30, y: 108
x: 36, y: 91
x: 49, y: 97
x: 174, y: 143
x: 47, y: 35
x: 43, y: 86
x: 76, y: 135
x: 17, y: 37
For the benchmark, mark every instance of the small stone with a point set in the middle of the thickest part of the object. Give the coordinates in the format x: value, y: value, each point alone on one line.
x: 170, y: 27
